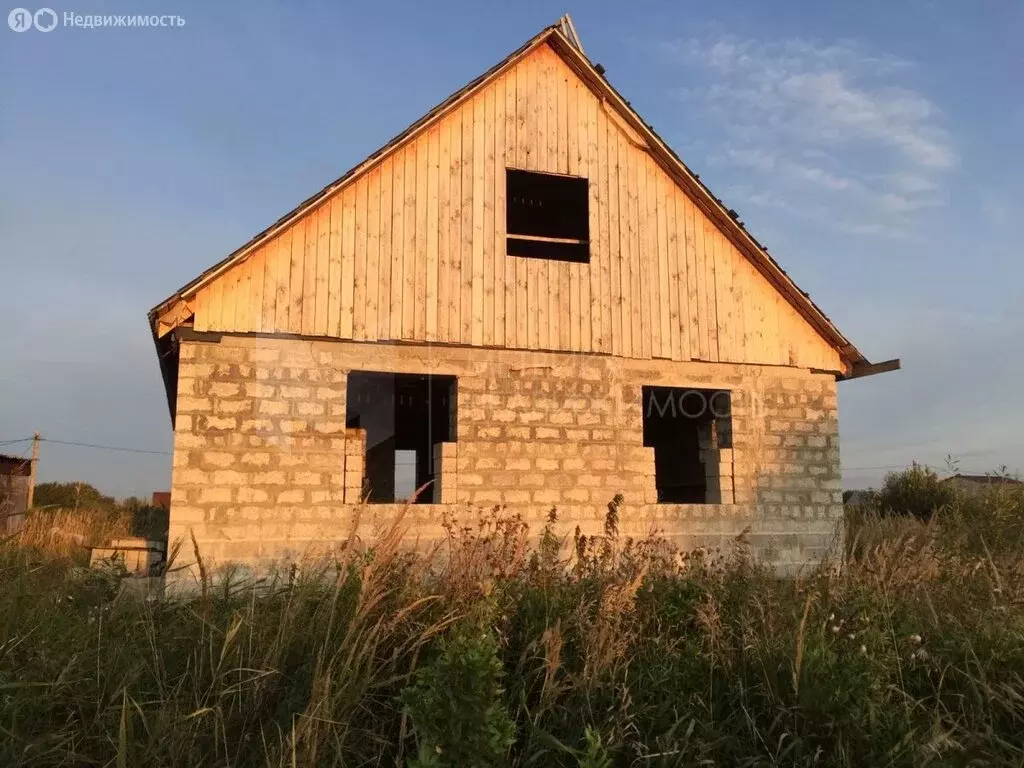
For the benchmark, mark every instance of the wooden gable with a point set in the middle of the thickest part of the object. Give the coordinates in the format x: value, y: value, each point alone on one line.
x: 412, y: 247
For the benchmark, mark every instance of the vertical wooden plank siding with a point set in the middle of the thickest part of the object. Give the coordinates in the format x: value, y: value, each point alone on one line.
x: 409, y: 249
x: 444, y: 212
x: 334, y: 215
x: 487, y: 235
x: 650, y: 334
x: 397, y: 283
x: 272, y: 260
x: 455, y: 232
x: 598, y: 257
x: 498, y: 254
x: 417, y: 299
x: 372, y: 254
x: 573, y: 315
x: 359, y: 256
x: 508, y: 83
x: 544, y: 160
x: 522, y: 160
x: 323, y: 255
x: 302, y: 277
x: 432, y: 226
x: 384, y: 255
x: 468, y: 262
x: 656, y: 195
x: 613, y: 243
x: 710, y: 283
x: 228, y: 300
x: 415, y: 248
x: 666, y: 200
x: 291, y: 241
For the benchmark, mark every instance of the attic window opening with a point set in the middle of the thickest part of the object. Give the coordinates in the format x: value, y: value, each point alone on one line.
x: 404, y: 416
x: 547, y: 216
x: 689, y: 430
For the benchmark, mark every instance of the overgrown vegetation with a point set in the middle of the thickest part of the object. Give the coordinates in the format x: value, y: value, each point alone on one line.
x: 86, y: 502
x: 495, y: 653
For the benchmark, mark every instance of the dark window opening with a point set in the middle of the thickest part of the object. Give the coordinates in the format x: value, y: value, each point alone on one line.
x: 404, y: 416
x: 546, y: 216
x: 681, y: 423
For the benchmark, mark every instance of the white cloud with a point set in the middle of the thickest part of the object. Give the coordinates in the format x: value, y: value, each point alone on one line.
x: 804, y: 121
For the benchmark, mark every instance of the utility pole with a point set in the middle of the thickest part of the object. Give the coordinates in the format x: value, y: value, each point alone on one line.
x: 32, y: 471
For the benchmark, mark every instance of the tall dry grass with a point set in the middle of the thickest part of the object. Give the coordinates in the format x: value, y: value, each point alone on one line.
x: 495, y: 651
x: 70, y: 532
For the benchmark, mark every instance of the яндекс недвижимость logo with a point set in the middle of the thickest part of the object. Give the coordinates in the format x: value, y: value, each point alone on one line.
x: 22, y: 19
x: 46, y: 20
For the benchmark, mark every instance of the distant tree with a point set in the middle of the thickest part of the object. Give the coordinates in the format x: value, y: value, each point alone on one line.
x: 916, y: 491
x: 72, y: 495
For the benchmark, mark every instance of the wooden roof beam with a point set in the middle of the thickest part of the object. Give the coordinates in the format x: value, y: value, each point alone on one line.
x: 871, y: 369
x: 171, y: 318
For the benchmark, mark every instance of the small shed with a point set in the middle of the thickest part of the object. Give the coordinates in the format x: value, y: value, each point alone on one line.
x: 977, y: 484
x: 15, y: 492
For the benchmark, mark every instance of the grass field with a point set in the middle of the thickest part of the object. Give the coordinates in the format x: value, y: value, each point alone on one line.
x: 496, y: 653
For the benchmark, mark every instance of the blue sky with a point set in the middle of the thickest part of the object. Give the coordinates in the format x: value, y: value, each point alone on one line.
x: 875, y: 147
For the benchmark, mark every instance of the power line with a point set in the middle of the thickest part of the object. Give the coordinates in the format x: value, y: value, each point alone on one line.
x: 10, y: 442
x: 103, y: 447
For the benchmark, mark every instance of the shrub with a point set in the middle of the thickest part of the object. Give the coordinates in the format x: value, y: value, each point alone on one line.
x: 455, y: 705
x: 916, y: 491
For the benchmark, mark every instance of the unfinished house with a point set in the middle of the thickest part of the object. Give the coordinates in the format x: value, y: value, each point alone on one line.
x: 524, y: 299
